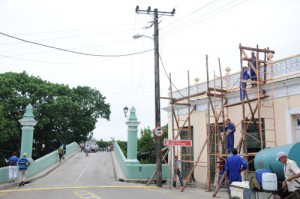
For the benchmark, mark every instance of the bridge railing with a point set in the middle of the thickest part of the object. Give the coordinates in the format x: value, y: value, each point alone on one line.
x: 41, y: 164
x: 137, y: 171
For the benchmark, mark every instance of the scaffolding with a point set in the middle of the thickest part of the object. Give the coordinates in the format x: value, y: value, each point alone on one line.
x: 260, y: 118
x: 257, y: 124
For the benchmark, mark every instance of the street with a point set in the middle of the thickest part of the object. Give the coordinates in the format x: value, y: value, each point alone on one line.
x: 92, y: 177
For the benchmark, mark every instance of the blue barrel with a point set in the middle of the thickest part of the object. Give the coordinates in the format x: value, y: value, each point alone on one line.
x: 266, y: 158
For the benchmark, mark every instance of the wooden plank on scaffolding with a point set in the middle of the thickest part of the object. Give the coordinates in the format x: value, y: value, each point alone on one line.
x: 195, y: 165
x: 183, y: 104
x: 257, y: 49
x: 186, y: 97
x: 179, y: 131
x: 219, y: 185
x: 251, y: 100
x: 215, y: 95
x: 217, y: 89
x: 153, y: 175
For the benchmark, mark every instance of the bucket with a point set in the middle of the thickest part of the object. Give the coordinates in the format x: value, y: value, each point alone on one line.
x: 269, y: 181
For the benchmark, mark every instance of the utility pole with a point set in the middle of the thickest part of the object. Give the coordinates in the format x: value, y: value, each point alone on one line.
x: 155, y: 13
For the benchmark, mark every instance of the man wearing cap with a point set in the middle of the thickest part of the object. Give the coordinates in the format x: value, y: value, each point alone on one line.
x: 291, y: 172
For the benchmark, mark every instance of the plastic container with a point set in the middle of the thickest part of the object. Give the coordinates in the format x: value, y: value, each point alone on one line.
x: 269, y: 181
x: 258, y: 175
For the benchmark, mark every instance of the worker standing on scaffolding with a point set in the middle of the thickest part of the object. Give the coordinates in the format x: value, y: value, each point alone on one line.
x: 252, y: 72
x: 229, y: 130
x: 245, y: 76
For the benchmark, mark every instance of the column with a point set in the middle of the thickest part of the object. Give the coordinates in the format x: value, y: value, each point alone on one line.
x: 132, y: 124
x: 28, y: 124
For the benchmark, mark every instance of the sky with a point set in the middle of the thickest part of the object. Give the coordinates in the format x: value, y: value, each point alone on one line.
x: 105, y: 29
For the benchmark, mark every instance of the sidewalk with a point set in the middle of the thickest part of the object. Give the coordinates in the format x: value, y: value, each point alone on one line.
x: 37, y: 176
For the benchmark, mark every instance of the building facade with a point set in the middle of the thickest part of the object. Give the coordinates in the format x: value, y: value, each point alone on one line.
x: 279, y: 115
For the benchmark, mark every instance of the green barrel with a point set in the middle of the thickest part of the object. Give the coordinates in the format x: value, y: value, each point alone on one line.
x: 266, y: 158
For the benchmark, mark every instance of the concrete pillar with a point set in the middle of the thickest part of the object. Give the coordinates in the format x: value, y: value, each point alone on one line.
x: 28, y: 124
x: 132, y: 124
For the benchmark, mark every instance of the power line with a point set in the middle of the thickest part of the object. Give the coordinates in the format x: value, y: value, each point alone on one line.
x: 75, y: 29
x: 193, y: 12
x: 204, y: 17
x: 71, y: 51
x: 73, y: 36
x: 50, y: 62
x: 168, y: 76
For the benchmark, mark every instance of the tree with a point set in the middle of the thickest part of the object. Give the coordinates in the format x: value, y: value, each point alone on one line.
x: 146, y: 147
x: 64, y: 114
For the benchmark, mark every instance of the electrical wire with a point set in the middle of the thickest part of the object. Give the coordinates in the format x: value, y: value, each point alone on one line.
x: 203, y: 18
x: 168, y: 76
x: 49, y: 62
x: 191, y: 13
x: 71, y: 51
x: 75, y: 29
x: 71, y: 37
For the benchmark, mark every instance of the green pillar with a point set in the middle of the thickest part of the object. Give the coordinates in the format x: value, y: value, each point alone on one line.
x: 28, y: 124
x: 132, y: 124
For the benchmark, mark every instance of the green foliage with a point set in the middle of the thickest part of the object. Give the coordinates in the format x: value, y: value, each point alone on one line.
x: 146, y: 145
x: 123, y: 146
x: 63, y: 114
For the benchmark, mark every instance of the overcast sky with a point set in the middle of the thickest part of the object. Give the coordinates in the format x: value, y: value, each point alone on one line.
x: 212, y: 27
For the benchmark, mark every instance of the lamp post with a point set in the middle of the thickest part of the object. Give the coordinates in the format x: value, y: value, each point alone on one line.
x: 125, y: 109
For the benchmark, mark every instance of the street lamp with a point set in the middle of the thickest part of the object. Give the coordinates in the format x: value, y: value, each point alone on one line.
x: 125, y: 109
x: 137, y: 36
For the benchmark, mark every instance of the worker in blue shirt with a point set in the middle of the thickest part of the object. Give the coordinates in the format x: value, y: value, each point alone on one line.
x: 252, y: 73
x: 229, y: 130
x: 23, y: 164
x: 234, y: 165
x: 245, y: 76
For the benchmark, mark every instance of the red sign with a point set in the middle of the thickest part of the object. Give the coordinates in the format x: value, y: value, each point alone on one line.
x: 187, y: 143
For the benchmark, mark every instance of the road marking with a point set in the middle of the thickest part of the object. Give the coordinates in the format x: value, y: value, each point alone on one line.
x: 86, y: 195
x: 78, y: 187
x: 84, y: 169
x: 174, y: 195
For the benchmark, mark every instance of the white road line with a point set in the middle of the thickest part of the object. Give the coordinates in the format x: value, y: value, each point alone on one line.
x: 83, y: 169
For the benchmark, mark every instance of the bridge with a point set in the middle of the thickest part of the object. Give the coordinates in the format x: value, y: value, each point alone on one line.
x: 98, y: 175
x: 91, y: 177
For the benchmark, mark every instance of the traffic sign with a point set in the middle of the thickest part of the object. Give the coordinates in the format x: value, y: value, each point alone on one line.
x: 187, y: 143
x: 159, y: 131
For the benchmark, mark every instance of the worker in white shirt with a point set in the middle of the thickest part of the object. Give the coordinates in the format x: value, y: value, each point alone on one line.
x: 291, y: 173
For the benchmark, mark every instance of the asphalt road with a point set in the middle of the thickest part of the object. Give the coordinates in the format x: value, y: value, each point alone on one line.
x: 92, y: 177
